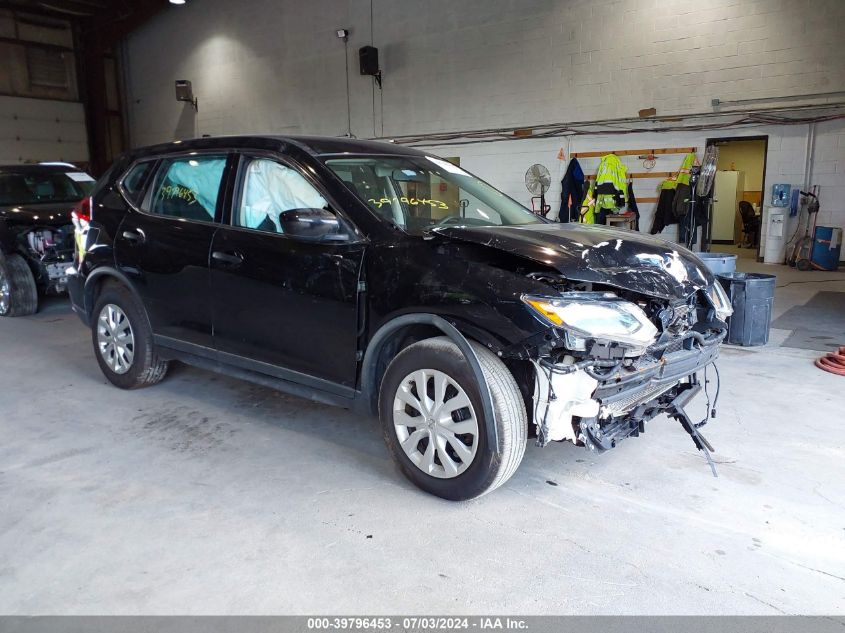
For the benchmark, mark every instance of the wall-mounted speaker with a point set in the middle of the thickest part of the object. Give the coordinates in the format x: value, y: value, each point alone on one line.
x: 368, y: 57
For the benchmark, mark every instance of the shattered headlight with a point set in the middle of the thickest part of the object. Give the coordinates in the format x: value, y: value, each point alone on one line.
x: 596, y: 315
x: 719, y: 300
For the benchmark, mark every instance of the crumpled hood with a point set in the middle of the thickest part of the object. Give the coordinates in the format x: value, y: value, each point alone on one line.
x: 599, y: 254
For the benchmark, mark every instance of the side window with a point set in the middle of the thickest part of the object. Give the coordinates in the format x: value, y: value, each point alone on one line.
x: 188, y: 187
x: 133, y: 181
x: 269, y: 189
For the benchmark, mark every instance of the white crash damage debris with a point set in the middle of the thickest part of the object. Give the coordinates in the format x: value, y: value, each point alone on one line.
x: 560, y: 396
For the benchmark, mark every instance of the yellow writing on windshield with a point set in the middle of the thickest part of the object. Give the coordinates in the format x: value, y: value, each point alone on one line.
x: 434, y: 204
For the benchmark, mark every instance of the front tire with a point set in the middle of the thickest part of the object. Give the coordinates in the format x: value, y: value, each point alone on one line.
x: 123, y: 340
x: 18, y: 292
x: 434, y: 425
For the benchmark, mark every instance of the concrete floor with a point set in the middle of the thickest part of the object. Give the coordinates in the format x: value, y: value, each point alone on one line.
x: 206, y: 495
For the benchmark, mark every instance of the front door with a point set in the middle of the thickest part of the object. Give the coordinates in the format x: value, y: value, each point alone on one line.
x: 285, y: 302
x: 163, y: 247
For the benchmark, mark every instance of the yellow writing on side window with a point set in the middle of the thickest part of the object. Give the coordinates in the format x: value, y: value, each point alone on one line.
x: 176, y: 191
x: 435, y: 204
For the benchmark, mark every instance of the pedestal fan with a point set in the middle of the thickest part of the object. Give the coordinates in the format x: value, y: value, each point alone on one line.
x: 538, y: 180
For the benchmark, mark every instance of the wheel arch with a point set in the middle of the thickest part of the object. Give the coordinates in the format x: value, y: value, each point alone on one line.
x: 388, y: 341
x: 100, y: 277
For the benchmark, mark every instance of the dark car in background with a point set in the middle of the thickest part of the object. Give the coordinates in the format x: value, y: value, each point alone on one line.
x: 37, y: 231
x: 382, y: 278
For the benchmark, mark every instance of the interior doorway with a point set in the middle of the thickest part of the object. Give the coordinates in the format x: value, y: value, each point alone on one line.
x: 737, y: 213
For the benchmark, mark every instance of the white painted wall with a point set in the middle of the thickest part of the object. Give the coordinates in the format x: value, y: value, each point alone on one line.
x: 276, y: 66
x: 33, y: 130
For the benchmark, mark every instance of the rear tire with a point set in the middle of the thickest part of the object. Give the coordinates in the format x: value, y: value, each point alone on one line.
x: 123, y: 340
x: 18, y: 293
x: 441, y: 446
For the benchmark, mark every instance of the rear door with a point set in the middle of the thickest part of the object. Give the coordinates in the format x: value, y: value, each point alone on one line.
x: 163, y: 246
x: 285, y: 304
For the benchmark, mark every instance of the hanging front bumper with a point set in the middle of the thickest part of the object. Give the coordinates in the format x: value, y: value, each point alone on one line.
x: 601, y: 414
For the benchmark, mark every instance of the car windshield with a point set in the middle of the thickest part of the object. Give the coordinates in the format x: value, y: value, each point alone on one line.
x: 417, y: 193
x: 38, y: 187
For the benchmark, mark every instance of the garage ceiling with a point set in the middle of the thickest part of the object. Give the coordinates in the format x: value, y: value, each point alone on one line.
x: 79, y: 9
x: 123, y: 14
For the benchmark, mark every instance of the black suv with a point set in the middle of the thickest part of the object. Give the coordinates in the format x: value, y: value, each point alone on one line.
x: 378, y: 277
x: 36, y: 231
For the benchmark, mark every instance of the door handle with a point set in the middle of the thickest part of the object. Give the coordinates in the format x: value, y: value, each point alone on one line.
x: 232, y: 259
x: 136, y: 235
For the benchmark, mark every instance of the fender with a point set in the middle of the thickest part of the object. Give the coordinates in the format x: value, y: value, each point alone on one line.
x: 368, y: 368
x: 91, y: 282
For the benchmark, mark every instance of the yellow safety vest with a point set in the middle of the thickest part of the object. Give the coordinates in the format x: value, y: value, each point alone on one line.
x: 686, y: 165
x: 587, y: 215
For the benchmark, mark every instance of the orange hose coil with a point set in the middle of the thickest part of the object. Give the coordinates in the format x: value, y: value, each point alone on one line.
x: 834, y: 362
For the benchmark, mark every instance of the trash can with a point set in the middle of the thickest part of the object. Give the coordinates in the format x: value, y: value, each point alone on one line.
x: 718, y: 263
x: 752, y: 296
x: 827, y: 247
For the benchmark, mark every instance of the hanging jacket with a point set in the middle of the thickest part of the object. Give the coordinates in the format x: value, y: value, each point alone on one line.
x: 686, y: 165
x: 587, y: 213
x: 611, y: 184
x: 682, y: 193
x: 664, y: 214
x: 571, y: 192
x: 681, y: 201
x: 632, y: 206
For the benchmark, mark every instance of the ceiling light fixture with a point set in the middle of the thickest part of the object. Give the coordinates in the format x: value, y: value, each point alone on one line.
x: 177, y: 1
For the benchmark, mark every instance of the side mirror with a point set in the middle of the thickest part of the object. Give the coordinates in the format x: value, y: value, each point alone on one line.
x: 313, y: 225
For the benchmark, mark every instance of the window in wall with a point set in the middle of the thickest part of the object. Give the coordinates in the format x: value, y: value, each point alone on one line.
x: 38, y: 58
x: 188, y: 187
x: 271, y: 188
x: 47, y: 68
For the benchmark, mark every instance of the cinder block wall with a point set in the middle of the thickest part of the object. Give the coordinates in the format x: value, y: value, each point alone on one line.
x: 277, y: 66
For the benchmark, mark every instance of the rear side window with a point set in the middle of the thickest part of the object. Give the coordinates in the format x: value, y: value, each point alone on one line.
x: 188, y: 187
x: 133, y: 181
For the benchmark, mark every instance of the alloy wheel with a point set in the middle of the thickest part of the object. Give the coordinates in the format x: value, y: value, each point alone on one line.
x: 115, y: 339
x: 435, y: 423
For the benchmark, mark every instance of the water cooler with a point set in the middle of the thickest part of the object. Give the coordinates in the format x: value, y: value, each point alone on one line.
x: 773, y: 234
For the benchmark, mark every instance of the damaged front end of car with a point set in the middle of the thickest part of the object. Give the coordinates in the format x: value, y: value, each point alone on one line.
x: 610, y: 360
x: 622, y: 324
x: 44, y: 237
x: 49, y: 251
